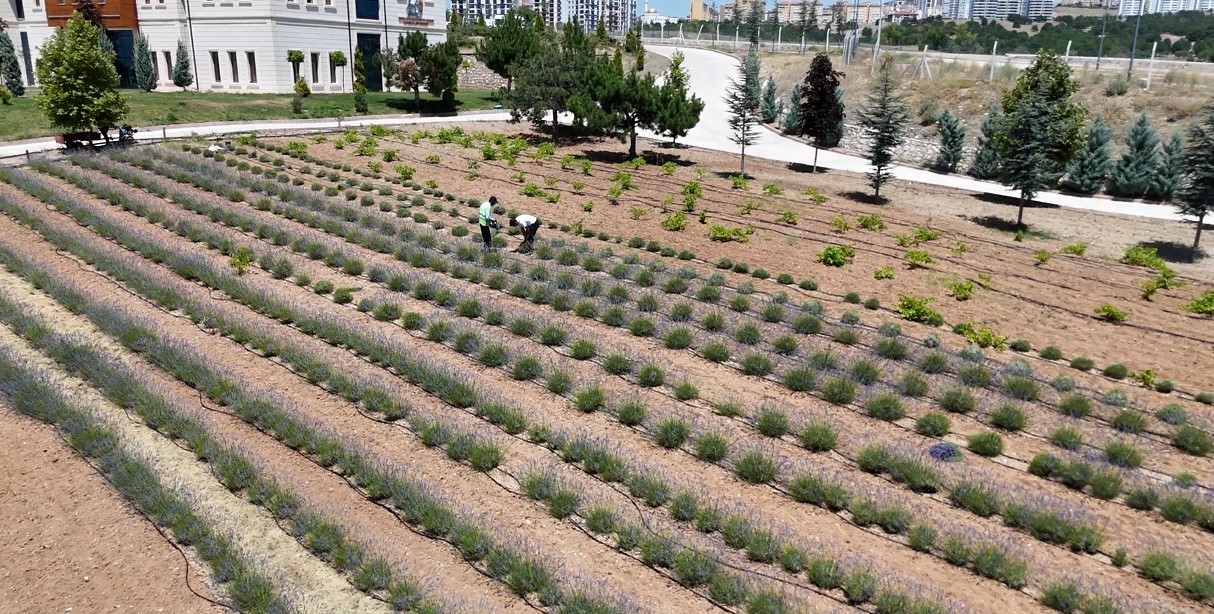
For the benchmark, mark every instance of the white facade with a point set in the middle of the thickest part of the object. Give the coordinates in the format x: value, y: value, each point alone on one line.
x: 241, y: 46
x: 28, y: 33
x: 1130, y: 8
x: 617, y: 15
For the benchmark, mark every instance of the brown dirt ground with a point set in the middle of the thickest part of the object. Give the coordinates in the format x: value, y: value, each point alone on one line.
x: 70, y: 543
x: 1048, y: 304
x: 613, y: 436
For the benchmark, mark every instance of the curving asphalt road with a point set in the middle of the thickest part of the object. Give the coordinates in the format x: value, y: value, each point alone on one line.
x: 710, y: 74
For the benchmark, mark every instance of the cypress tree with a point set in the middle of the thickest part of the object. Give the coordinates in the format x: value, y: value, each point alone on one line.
x: 742, y: 97
x: 986, y: 161
x: 1197, y: 195
x: 822, y: 105
x: 771, y: 105
x: 10, y: 70
x: 677, y: 111
x: 791, y: 123
x: 360, y: 82
x: 1171, y: 169
x: 884, y: 122
x: 183, y: 77
x: 751, y: 65
x: 952, y: 142
x: 1028, y: 166
x: 145, y: 75
x: 1089, y: 171
x: 1137, y: 168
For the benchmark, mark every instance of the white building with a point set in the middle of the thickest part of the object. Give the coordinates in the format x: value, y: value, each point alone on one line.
x: 243, y: 45
x: 651, y: 17
x: 1130, y: 8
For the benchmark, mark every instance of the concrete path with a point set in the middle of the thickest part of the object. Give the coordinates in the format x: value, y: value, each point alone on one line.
x: 710, y: 73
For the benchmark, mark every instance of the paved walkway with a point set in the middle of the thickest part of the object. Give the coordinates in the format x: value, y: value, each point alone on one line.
x: 710, y: 74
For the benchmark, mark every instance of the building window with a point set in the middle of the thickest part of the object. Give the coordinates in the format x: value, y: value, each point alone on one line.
x: 168, y: 65
x: 315, y: 68
x: 252, y: 66
x: 21, y: 9
x: 235, y: 70
x: 332, y: 71
x: 215, y: 65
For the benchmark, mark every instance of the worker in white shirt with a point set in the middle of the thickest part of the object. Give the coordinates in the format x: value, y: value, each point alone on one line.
x: 530, y: 225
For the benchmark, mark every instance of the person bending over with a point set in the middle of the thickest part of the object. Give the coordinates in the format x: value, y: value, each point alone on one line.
x: 487, y: 222
x: 530, y: 225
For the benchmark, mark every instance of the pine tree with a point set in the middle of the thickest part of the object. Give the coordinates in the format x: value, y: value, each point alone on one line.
x: 600, y: 32
x: 360, y: 82
x: 751, y: 65
x: 822, y: 105
x: 754, y: 20
x: 743, y: 100
x: 986, y: 161
x: 1050, y: 72
x: 145, y: 75
x: 10, y: 70
x: 678, y: 113
x: 1028, y: 167
x: 439, y: 66
x: 1089, y: 171
x: 770, y: 106
x: 952, y: 142
x: 183, y: 76
x: 1168, y: 178
x: 79, y: 84
x: 1197, y: 195
x: 1134, y: 171
x: 884, y: 122
x: 792, y: 122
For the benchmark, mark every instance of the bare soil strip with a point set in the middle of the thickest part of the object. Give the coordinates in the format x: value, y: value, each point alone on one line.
x: 319, y: 587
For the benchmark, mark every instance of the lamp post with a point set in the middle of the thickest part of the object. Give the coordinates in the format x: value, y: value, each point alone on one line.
x: 1134, y: 44
x: 1100, y: 47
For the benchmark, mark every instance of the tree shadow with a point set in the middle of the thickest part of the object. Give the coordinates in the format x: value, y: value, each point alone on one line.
x: 605, y: 156
x: 1173, y: 251
x: 864, y: 197
x: 995, y: 222
x: 432, y: 107
x: 731, y: 174
x: 999, y: 199
x: 798, y: 167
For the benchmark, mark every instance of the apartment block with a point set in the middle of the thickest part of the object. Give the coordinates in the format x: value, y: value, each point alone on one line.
x: 1131, y: 8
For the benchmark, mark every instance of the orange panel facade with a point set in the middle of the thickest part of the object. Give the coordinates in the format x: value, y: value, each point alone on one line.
x: 115, y: 14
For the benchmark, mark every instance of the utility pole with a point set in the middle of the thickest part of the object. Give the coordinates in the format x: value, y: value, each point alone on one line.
x: 1100, y: 47
x: 1142, y: 4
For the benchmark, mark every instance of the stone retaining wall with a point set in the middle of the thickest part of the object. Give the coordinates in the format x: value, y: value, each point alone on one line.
x: 476, y: 76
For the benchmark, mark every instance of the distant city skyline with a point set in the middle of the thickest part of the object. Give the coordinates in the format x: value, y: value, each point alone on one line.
x: 680, y: 8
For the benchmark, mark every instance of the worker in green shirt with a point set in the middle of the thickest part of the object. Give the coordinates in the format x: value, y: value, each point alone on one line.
x: 487, y: 221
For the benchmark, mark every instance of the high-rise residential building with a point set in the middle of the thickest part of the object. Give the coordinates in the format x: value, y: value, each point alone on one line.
x: 1038, y: 8
x: 956, y: 9
x: 790, y: 11
x: 241, y: 48
x: 1000, y: 9
x: 739, y: 9
x: 617, y: 15
x: 703, y: 11
x: 1130, y: 8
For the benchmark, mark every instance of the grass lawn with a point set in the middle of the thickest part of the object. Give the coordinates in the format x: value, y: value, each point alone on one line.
x: 24, y: 121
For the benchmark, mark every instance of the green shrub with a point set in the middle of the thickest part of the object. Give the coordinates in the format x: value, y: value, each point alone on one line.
x: 911, y: 384
x: 1116, y: 371
x: 1066, y: 438
x: 986, y: 444
x: 1122, y: 454
x: 755, y: 467
x: 1105, y: 485
x: 650, y: 375
x: 772, y: 422
x: 885, y: 407
x: 716, y: 352
x: 932, y: 424
x: 1074, y: 406
x: 974, y: 375
x: 1044, y: 465
x: 1074, y: 475
x: 1082, y: 363
x: 1062, y: 596
x: 711, y: 447
x: 1021, y: 388
x: 1009, y: 418
x: 1192, y: 440
x: 958, y: 401
x: 818, y: 436
x: 838, y: 391
x: 978, y: 499
x: 756, y: 364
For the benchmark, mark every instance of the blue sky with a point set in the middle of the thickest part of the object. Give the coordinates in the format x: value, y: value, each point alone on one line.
x: 680, y: 8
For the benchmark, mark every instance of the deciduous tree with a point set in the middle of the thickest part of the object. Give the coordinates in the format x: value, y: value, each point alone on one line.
x: 952, y: 142
x: 509, y: 44
x: 548, y: 82
x: 10, y: 70
x: 986, y: 160
x: 1089, y: 171
x: 821, y: 109
x: 79, y: 84
x: 1197, y: 194
x: 1027, y: 166
x: 183, y: 76
x: 1132, y: 176
x: 145, y: 74
x: 742, y: 97
x: 884, y: 122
